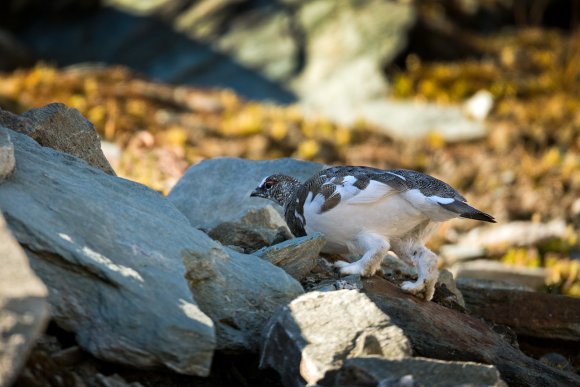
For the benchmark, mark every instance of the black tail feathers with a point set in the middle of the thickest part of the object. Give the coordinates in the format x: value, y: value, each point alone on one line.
x: 466, y: 211
x: 479, y: 216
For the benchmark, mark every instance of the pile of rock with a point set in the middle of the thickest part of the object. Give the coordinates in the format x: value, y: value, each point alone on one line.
x: 132, y: 275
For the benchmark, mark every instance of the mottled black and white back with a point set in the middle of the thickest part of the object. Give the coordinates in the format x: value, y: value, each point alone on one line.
x: 369, y: 211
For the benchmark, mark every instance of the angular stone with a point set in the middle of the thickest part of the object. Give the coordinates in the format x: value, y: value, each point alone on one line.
x: 441, y: 333
x: 15, y: 122
x: 115, y: 278
x: 218, y: 190
x: 258, y: 228
x: 239, y: 292
x: 528, y: 313
x: 296, y: 256
x: 23, y: 307
x: 350, y: 282
x: 66, y: 130
x: 317, y: 332
x: 374, y: 370
x: 7, y: 161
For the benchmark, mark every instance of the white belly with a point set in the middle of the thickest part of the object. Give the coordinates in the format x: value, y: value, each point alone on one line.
x: 391, y: 217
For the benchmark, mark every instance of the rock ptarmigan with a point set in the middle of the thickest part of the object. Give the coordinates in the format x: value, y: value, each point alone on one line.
x: 368, y: 211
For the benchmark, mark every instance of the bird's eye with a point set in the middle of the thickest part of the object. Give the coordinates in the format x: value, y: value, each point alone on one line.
x: 269, y: 184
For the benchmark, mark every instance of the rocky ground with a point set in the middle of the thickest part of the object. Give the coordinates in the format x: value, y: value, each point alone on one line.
x: 141, y: 259
x: 188, y: 289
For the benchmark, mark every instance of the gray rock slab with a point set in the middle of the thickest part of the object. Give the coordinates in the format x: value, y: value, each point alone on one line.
x: 532, y: 277
x: 218, y: 190
x: 411, y: 120
x: 420, y: 371
x: 533, y: 314
x: 317, y: 332
x: 296, y: 256
x: 65, y: 129
x: 109, y: 251
x: 442, y: 333
x: 7, y: 161
x: 239, y: 292
x: 23, y: 307
x: 257, y: 228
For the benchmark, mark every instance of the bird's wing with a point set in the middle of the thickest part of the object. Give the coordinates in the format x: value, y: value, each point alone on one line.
x: 350, y: 185
x: 438, y: 199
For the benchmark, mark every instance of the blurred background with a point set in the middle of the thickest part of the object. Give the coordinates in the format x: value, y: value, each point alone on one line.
x: 484, y: 94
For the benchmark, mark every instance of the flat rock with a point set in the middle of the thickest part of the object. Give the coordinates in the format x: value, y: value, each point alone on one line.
x: 528, y: 313
x: 66, y: 130
x: 256, y: 229
x: 296, y: 256
x: 7, y: 161
x: 23, y: 307
x: 317, y: 332
x: 478, y: 283
x: 218, y: 190
x: 114, y: 278
x: 374, y: 371
x: 441, y: 333
x: 412, y: 120
x: 492, y: 270
x: 239, y: 292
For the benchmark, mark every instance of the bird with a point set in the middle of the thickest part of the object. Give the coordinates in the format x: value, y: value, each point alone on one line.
x: 368, y: 211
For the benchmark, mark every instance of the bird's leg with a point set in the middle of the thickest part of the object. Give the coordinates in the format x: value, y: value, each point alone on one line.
x: 374, y: 247
x: 425, y: 261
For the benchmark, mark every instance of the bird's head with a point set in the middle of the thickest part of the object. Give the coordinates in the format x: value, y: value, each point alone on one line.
x: 277, y: 188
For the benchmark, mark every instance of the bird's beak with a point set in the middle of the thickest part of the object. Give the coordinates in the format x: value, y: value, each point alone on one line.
x: 257, y: 193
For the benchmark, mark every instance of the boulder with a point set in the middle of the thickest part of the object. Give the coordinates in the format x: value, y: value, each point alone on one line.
x: 115, y: 278
x: 66, y: 130
x: 7, y: 162
x: 346, y: 46
x: 239, y: 292
x: 317, y: 332
x: 528, y: 313
x: 218, y: 190
x: 441, y: 333
x: 258, y: 228
x: 23, y: 307
x: 276, y: 51
x: 296, y: 256
x: 376, y: 371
